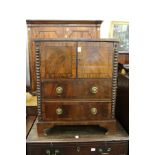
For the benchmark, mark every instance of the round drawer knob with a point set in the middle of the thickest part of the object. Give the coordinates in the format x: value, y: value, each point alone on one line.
x: 94, y: 90
x: 59, y: 90
x: 93, y: 111
x: 59, y: 111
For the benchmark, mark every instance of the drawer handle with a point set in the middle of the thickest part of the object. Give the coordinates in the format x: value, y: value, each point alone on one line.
x: 59, y: 111
x: 94, y: 89
x: 93, y: 111
x: 59, y: 90
x: 104, y: 151
x: 48, y: 152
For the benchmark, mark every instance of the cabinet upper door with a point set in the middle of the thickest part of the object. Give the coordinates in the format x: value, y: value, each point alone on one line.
x: 95, y: 59
x: 58, y: 60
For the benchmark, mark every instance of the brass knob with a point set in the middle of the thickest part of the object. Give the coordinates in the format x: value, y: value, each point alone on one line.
x: 48, y: 152
x: 94, y: 89
x: 59, y: 90
x: 57, y: 151
x: 93, y: 111
x: 59, y: 111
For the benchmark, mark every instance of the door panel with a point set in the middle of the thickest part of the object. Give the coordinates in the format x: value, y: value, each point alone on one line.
x: 58, y: 60
x: 95, y: 59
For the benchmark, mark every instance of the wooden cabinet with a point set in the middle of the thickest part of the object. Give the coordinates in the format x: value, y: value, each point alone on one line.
x: 47, y: 29
x: 76, y: 82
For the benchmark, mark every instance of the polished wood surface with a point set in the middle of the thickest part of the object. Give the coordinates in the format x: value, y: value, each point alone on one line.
x: 47, y: 29
x: 76, y: 111
x: 58, y: 60
x: 77, y: 89
x: 95, y: 59
x: 76, y: 81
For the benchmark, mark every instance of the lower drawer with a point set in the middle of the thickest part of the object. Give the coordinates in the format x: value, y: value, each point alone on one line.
x: 93, y: 148
x: 76, y: 111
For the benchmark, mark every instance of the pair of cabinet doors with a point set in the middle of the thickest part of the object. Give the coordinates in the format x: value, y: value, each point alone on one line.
x: 76, y: 60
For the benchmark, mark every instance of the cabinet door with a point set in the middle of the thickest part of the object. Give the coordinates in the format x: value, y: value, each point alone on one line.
x: 58, y: 60
x: 95, y: 59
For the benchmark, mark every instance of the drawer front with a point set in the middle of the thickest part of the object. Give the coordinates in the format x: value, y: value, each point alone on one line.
x: 77, y: 89
x: 93, y: 148
x: 75, y: 111
x: 38, y: 149
x: 102, y: 148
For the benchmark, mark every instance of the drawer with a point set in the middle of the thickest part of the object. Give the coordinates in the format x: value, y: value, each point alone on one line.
x: 38, y: 149
x: 93, y: 148
x: 77, y: 89
x: 75, y: 111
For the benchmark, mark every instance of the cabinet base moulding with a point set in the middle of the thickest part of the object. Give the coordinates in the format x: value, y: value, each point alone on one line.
x: 108, y: 125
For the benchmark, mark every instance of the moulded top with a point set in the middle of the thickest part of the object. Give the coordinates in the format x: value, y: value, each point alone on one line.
x: 64, y: 21
x: 78, y: 40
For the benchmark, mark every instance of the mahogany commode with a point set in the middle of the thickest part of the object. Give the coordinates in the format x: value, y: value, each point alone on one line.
x: 76, y: 82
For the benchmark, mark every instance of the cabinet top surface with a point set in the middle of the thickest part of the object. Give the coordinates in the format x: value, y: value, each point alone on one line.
x: 84, y: 134
x: 77, y: 40
x: 64, y: 21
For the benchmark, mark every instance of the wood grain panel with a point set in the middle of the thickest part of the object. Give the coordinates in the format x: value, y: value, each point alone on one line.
x: 58, y: 60
x: 95, y: 59
x: 75, y: 111
x: 77, y: 89
x: 82, y: 32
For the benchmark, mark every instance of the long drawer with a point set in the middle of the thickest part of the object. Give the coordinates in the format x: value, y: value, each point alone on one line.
x: 77, y: 89
x: 93, y: 148
x: 75, y: 111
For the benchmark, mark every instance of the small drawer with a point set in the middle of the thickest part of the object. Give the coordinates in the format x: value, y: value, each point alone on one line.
x: 38, y: 149
x: 77, y: 89
x: 75, y: 111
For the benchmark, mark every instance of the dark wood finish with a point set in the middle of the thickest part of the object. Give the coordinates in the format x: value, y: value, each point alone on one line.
x: 122, y: 106
x: 77, y: 89
x: 123, y: 58
x: 106, y: 148
x: 72, y: 79
x: 64, y: 22
x: 95, y: 59
x: 76, y: 111
x: 58, y: 60
x: 91, y: 140
x: 43, y: 126
x: 57, y: 29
